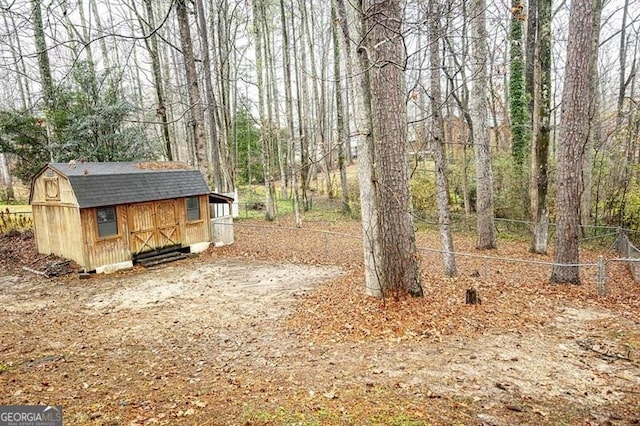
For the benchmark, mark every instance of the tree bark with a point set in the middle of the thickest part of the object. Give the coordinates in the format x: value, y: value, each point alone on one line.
x: 541, y: 116
x: 385, y: 45
x: 358, y: 63
x: 340, y: 122
x: 574, y: 131
x: 262, y: 108
x: 195, y: 100
x: 444, y: 220
x: 151, y: 43
x: 217, y: 164
x: 479, y: 108
x: 595, y: 129
x: 293, y: 146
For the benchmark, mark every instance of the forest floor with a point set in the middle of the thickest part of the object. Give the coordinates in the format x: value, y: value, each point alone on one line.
x: 275, y: 329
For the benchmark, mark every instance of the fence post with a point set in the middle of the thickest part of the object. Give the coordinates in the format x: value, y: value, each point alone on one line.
x: 601, y: 286
x: 326, y: 245
x: 485, y: 267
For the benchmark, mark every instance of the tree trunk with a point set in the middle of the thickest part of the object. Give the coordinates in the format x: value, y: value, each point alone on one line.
x: 574, y: 130
x: 517, y: 96
x: 595, y: 129
x: 217, y: 164
x: 302, y: 106
x: 444, y: 220
x: 293, y: 146
x: 479, y: 109
x: 43, y: 55
x: 542, y: 128
x: 341, y: 136
x: 46, y: 80
x: 362, y: 108
x: 258, y: 17
x: 227, y: 91
x: 195, y: 101
x: 5, y: 177
x: 385, y: 45
x: 151, y: 43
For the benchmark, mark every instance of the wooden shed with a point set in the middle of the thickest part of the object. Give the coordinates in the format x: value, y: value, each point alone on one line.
x: 104, y: 215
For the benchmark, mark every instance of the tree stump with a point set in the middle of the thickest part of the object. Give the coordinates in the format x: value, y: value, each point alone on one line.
x: 473, y: 296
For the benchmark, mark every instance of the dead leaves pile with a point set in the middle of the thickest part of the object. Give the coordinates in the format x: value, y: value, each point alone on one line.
x: 515, y: 296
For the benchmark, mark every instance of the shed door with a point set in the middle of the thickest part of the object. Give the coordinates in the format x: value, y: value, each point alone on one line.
x: 153, y: 225
x: 167, y: 223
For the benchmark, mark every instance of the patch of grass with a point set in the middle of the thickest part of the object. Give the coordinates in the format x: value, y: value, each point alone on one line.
x: 16, y: 208
x: 3, y: 367
x: 16, y: 220
x: 284, y: 416
x: 397, y: 420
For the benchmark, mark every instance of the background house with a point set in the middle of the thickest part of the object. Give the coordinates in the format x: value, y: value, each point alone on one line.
x: 105, y: 215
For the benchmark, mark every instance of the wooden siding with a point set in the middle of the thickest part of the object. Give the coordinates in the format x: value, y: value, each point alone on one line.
x: 197, y: 231
x: 154, y: 225
x: 108, y: 250
x: 61, y: 228
x: 42, y: 187
x: 58, y: 231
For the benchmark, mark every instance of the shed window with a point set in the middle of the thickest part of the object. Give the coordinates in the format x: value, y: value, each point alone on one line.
x: 193, y: 208
x: 107, y: 222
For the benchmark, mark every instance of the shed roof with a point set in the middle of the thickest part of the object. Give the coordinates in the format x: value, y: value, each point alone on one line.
x: 104, y: 184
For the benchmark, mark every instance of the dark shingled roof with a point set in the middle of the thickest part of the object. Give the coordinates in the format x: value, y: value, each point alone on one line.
x: 106, y: 184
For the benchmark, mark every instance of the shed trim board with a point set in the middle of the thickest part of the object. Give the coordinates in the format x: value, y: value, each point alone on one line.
x: 147, y: 201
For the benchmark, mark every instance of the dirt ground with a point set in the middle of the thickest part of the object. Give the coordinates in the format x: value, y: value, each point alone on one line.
x: 248, y: 335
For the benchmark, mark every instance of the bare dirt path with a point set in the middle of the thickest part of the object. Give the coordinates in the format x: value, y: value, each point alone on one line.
x: 230, y: 340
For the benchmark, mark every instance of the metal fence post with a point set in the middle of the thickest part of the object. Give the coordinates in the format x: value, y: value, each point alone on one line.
x: 601, y: 288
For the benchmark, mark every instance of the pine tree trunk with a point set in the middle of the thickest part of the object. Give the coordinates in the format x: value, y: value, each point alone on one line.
x: 574, y: 130
x: 385, y: 45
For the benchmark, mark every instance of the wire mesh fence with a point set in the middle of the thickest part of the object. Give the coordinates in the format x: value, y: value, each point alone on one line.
x: 327, y: 246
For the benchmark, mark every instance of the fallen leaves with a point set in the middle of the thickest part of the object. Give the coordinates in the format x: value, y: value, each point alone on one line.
x: 338, y: 357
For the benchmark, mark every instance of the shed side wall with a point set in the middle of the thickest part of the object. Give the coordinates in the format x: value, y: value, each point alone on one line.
x: 58, y: 231
x: 196, y: 231
x: 105, y: 251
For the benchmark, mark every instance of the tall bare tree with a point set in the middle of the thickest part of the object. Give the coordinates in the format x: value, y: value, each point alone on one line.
x: 289, y: 106
x: 437, y: 130
x: 479, y: 110
x: 195, y: 100
x: 574, y: 132
x: 340, y: 122
x: 539, y: 89
x: 217, y: 165
x: 263, y: 107
x: 357, y: 65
